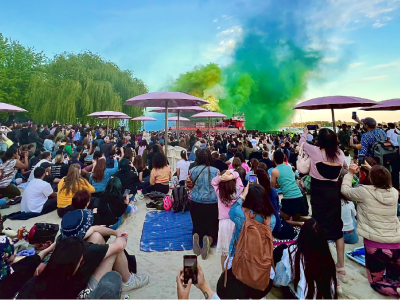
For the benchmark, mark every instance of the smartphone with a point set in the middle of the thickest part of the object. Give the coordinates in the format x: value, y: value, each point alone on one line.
x: 354, y: 115
x: 361, y: 159
x: 312, y: 127
x: 126, y: 192
x: 190, y: 268
x: 253, y: 179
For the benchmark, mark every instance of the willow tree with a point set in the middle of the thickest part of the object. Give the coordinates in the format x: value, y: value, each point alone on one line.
x: 72, y: 86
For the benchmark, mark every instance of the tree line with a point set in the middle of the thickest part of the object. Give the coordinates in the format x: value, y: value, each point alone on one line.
x: 66, y: 87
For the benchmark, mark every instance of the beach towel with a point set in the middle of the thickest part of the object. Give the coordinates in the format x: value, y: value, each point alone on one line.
x: 357, y: 254
x: 166, y: 231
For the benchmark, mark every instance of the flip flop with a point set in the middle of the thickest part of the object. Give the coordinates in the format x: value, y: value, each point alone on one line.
x: 196, y: 245
x: 206, y: 248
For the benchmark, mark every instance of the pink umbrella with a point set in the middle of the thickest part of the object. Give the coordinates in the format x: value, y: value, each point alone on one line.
x: 209, y: 115
x: 178, y: 110
x: 166, y: 99
x: 334, y: 102
x: 11, y: 108
x: 176, y: 119
x: 107, y: 114
x: 391, y: 104
x: 143, y: 119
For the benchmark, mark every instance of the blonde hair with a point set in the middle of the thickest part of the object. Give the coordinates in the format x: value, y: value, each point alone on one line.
x: 72, y: 182
x: 59, y: 158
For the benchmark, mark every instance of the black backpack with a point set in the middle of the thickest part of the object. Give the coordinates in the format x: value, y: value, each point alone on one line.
x: 181, y: 199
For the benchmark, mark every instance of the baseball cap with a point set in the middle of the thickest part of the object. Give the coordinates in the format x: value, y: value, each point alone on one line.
x: 370, y: 122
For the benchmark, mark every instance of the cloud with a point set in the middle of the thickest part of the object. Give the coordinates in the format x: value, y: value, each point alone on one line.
x: 218, y: 27
x: 390, y: 64
x: 373, y: 14
x: 378, y: 24
x: 330, y: 59
x: 233, y: 31
x: 356, y: 64
x: 224, y: 16
x: 374, y: 78
x: 215, y: 20
x: 386, y: 19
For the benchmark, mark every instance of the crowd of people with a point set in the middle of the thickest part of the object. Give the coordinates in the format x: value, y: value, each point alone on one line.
x: 92, y: 177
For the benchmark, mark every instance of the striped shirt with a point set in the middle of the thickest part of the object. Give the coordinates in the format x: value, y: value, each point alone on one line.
x: 7, y: 172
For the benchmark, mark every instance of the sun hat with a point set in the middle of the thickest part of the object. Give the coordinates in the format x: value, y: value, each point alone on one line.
x: 76, y: 223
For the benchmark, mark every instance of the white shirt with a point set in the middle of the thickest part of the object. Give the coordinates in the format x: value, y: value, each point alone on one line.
x: 32, y: 176
x: 183, y: 166
x: 348, y: 212
x: 393, y: 137
x: 35, y: 195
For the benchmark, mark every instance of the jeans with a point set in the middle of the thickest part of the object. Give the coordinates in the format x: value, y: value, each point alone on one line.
x: 3, y: 147
x: 351, y: 238
x: 116, y: 225
x: 146, y: 179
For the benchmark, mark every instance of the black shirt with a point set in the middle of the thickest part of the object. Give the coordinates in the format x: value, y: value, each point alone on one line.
x: 266, y: 161
x: 150, y: 159
x: 128, y: 180
x: 106, y: 148
x: 109, y: 210
x: 220, y: 165
x: 256, y: 155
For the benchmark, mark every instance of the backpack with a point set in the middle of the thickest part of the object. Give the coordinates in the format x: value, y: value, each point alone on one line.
x: 254, y: 252
x: 181, y: 200
x: 384, y: 151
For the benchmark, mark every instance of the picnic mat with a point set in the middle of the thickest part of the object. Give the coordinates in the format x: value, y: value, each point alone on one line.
x: 166, y: 231
x: 357, y: 254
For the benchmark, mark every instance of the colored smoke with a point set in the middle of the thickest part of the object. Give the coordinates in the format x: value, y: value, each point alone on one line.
x: 269, y: 72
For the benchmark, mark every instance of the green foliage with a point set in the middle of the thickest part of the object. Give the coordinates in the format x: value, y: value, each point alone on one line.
x: 66, y: 88
x: 17, y: 64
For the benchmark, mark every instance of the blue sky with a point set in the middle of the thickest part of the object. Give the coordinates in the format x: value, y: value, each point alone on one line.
x: 158, y: 39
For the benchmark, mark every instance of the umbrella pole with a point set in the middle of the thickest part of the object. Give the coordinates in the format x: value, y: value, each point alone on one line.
x: 333, y: 119
x: 209, y: 137
x: 178, y: 125
x: 108, y: 124
x: 166, y: 128
x: 143, y: 126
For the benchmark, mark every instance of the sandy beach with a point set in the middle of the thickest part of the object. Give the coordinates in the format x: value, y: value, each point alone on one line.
x: 163, y: 267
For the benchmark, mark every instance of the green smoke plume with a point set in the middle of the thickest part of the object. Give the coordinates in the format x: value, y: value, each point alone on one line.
x: 269, y: 72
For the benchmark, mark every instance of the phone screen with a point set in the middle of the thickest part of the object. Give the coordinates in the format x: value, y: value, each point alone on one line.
x: 190, y: 268
x: 126, y: 192
x: 311, y: 127
x: 354, y: 115
x: 361, y: 160
x: 253, y: 179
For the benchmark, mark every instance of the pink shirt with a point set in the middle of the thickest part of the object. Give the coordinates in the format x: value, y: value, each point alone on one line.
x: 318, y: 156
x: 223, y: 210
x: 244, y: 166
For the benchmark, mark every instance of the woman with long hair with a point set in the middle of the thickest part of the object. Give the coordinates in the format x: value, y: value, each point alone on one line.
x: 101, y: 175
x: 228, y: 186
x: 129, y: 154
x: 159, y: 177
x: 129, y: 178
x: 242, y: 160
x: 307, y: 267
x: 113, y: 205
x: 140, y: 166
x: 9, y: 167
x: 182, y: 168
x: 326, y: 163
x: 67, y: 188
x: 255, y: 199
x: 253, y: 168
x: 204, y: 204
x: 378, y: 224
x: 56, y: 281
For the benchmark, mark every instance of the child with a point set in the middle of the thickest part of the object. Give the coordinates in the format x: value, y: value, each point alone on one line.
x: 228, y: 188
x: 349, y: 222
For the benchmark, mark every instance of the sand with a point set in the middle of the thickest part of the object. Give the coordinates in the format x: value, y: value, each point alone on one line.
x: 162, y: 267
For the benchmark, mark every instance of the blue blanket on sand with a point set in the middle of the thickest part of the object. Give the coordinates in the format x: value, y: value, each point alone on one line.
x: 357, y: 254
x: 166, y: 231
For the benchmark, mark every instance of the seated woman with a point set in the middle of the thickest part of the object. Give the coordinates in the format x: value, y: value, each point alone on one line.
x: 307, y: 268
x: 255, y: 199
x: 378, y: 224
x: 68, y: 186
x: 95, y: 157
x: 159, y: 177
x: 113, y: 205
x: 9, y: 167
x: 14, y: 274
x: 128, y: 177
x: 141, y: 169
x: 100, y: 175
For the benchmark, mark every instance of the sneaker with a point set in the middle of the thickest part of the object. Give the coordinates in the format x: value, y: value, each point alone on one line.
x: 137, y: 282
x: 196, y: 245
x: 206, y: 248
x: 151, y: 206
x: 139, y: 196
x: 134, y: 209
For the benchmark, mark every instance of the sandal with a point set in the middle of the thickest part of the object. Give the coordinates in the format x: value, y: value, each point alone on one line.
x: 341, y: 277
x: 339, y: 288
